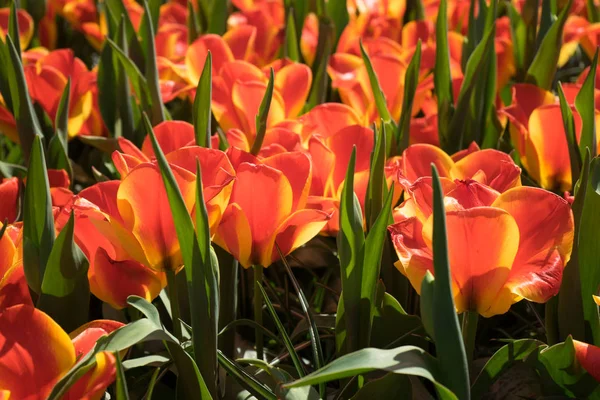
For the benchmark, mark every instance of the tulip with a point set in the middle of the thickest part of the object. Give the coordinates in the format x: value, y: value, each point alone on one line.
x: 26, y: 26
x: 38, y: 353
x: 538, y: 134
x: 9, y: 199
x: 171, y: 39
x: 588, y: 356
x: 499, y: 250
x: 13, y: 285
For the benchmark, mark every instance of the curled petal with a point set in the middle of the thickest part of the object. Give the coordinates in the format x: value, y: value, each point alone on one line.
x: 241, y: 40
x: 327, y: 119
x: 85, y: 337
x: 588, y: 356
x: 328, y: 205
x: 94, y: 382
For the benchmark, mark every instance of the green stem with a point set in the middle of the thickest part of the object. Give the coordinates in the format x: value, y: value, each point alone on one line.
x: 258, y: 303
x: 469, y: 332
x: 174, y: 298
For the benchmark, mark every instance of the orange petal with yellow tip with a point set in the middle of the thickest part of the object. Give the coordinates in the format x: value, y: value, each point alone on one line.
x: 9, y: 199
x: 500, y: 171
x: 113, y: 281
x: 30, y: 339
x: 8, y: 252
x: 241, y: 41
x: 247, y: 97
x: 265, y: 213
x: 328, y: 205
x: 297, y: 230
x: 297, y: 168
x: 85, y: 337
x: 13, y: 287
x: 323, y: 160
x: 237, y: 157
x: 417, y: 160
x: 171, y: 136
x: 546, y: 241
x: 149, y: 217
x: 479, y: 266
x: 293, y: 83
x: 197, y: 51
x: 26, y: 25
x: 235, y: 235
x: 310, y: 38
x: 93, y: 384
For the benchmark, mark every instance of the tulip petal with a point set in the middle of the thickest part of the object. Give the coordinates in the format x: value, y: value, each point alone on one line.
x: 235, y: 236
x: 94, y: 382
x: 196, y: 55
x: 546, y: 241
x: 482, y: 245
x: 327, y: 119
x: 171, y: 136
x: 29, y: 339
x: 9, y: 200
x: 293, y: 82
x: 501, y: 173
x: 588, y: 357
x: 323, y: 160
x: 13, y: 287
x: 297, y: 168
x: 417, y: 161
x: 342, y: 144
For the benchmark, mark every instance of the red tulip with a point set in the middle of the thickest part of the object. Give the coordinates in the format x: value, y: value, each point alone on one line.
x: 499, y: 250
x: 251, y: 225
x: 37, y: 353
x: 26, y: 26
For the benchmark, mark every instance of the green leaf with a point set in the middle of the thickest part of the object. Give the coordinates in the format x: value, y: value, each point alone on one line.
x: 145, y: 361
x: 529, y: 22
x: 193, y: 23
x: 350, y: 245
x: 115, y: 12
x: 570, y: 301
x: 391, y: 386
x: 38, y: 221
x: 246, y: 380
x: 57, y: 156
x: 13, y: 28
x: 427, y: 303
x: 11, y: 170
x: 121, y: 383
x: 290, y: 48
x: 148, y: 24
x: 286, y: 339
x: 584, y: 103
x: 263, y: 115
x: 217, y: 23
x: 410, y: 88
x: 405, y: 360
x: 441, y: 73
x: 28, y: 124
x: 377, y: 184
x: 65, y: 292
x: 200, y: 267
x: 62, y: 114
x: 325, y: 46
x: 543, y: 67
x: 569, y: 126
x: 201, y: 115
x: 501, y: 361
x: 378, y: 94
x: 157, y: 114
x: 338, y: 11
x: 449, y: 346
x: 589, y: 253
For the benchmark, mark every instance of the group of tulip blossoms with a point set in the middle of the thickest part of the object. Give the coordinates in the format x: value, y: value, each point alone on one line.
x: 440, y: 153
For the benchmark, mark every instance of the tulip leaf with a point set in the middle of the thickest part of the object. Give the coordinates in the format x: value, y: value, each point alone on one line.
x: 410, y: 88
x: 38, y: 220
x: 569, y: 127
x: 350, y: 244
x: 584, y: 103
x: 121, y: 383
x: 527, y: 27
x: 116, y: 11
x: 58, y: 157
x: 570, y: 314
x: 148, y: 25
x: 65, y: 288
x: 543, y: 67
x: 193, y: 23
x: 592, y: 11
x: 202, y: 116
x: 246, y: 380
x: 217, y: 23
x: 405, y: 360
x: 28, y: 124
x: 145, y: 361
x: 449, y: 346
x: 313, y: 331
x: 290, y: 48
x: 427, y: 303
x: 561, y: 373
x: 391, y: 386
x: 338, y: 11
x: 502, y: 360
x: 157, y: 114
x: 263, y: 115
x: 377, y: 184
x: 441, y: 74
x: 281, y: 329
x: 138, y: 81
x: 200, y: 267
x: 62, y: 114
x: 589, y: 253
x: 325, y: 46
x: 378, y: 94
x: 13, y: 28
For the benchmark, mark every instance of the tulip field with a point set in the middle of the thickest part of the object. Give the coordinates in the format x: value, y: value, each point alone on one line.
x: 299, y: 199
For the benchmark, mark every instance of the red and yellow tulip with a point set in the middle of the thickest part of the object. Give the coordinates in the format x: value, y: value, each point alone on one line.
x: 38, y: 353
x: 26, y: 26
x: 252, y: 225
x: 499, y: 251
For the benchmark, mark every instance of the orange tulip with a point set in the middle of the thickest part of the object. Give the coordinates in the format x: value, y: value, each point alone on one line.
x: 588, y: 356
x: 578, y: 31
x: 489, y: 167
x: 240, y: 88
x: 327, y: 119
x: 9, y: 199
x: 37, y: 353
x: 251, y: 225
x: 171, y: 33
x: 538, y: 134
x: 13, y: 285
x: 26, y: 26
x: 278, y: 139
x: 499, y: 251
